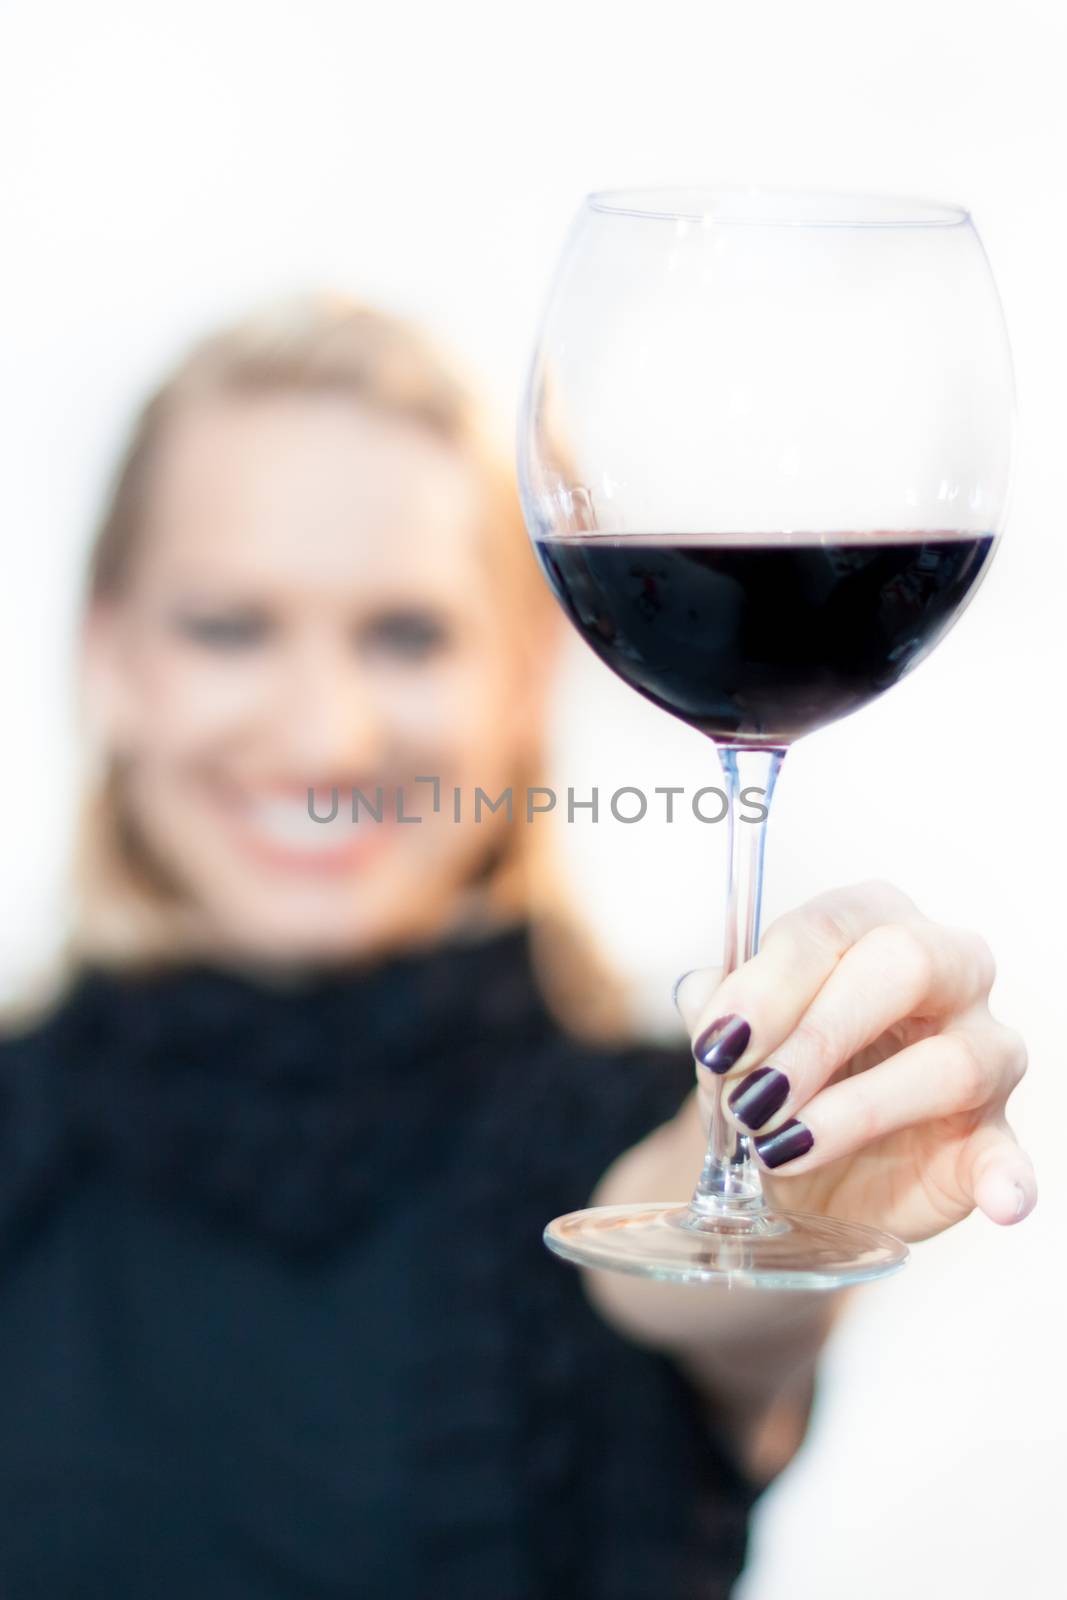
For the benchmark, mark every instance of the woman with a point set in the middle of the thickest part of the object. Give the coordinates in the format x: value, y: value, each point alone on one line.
x: 275, y: 1315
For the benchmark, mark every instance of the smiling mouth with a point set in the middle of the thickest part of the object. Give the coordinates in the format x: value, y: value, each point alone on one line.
x: 278, y: 829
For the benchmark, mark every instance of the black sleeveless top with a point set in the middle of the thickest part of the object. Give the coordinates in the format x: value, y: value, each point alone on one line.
x: 276, y: 1318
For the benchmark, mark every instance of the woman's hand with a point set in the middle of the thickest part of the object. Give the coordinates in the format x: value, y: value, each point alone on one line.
x: 858, y: 1050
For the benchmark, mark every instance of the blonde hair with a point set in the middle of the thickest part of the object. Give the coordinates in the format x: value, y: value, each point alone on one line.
x: 125, y: 912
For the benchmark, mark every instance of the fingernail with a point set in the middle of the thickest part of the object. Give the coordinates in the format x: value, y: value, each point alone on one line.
x: 723, y: 1043
x: 1020, y: 1199
x: 758, y: 1096
x: 792, y: 1139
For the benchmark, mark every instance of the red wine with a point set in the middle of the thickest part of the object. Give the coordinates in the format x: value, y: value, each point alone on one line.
x: 758, y: 639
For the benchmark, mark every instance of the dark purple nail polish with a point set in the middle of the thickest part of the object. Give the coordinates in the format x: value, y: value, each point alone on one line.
x: 792, y: 1139
x: 723, y: 1044
x: 758, y: 1096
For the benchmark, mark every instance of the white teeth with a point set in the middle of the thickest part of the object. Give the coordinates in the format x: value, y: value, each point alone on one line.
x: 289, y: 822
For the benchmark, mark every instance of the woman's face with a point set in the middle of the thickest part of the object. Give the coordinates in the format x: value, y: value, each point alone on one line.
x: 310, y: 608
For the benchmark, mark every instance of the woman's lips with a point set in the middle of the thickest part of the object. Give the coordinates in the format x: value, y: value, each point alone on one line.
x: 276, y: 828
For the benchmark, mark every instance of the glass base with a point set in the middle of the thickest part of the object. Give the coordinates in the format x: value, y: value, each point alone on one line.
x: 764, y: 1249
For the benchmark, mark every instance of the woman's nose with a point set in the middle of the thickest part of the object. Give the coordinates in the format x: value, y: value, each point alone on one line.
x: 330, y: 718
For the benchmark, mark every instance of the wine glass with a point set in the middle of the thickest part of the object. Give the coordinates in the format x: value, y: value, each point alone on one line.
x: 764, y: 457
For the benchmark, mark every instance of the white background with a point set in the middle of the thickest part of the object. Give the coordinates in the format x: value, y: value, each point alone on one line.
x: 163, y: 166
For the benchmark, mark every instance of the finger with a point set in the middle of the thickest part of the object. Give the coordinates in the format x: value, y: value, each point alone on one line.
x: 975, y: 1065
x: 1000, y: 1175
x: 691, y: 993
x: 896, y: 971
x: 757, y: 1006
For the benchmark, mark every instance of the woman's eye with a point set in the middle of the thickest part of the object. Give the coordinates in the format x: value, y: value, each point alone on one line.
x: 224, y: 632
x: 408, y: 635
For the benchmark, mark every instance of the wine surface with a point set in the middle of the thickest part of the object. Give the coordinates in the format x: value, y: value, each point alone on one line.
x: 758, y: 639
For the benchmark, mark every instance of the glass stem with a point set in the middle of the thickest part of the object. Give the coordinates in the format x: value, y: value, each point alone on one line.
x: 729, y: 1180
